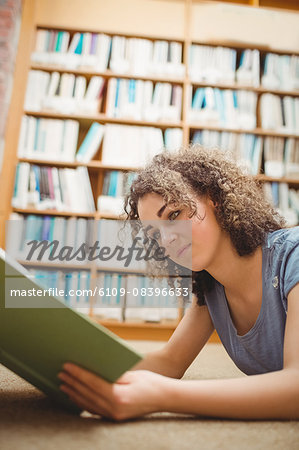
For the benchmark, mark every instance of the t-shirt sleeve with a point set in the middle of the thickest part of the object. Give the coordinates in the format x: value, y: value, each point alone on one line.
x: 291, y: 274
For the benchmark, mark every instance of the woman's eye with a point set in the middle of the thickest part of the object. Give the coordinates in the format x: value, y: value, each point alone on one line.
x: 156, y: 235
x: 173, y: 215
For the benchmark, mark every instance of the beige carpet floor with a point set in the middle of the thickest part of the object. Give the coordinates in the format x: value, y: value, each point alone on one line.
x: 28, y: 420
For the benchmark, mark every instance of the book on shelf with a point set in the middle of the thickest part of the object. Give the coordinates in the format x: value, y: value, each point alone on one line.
x: 146, y: 57
x: 81, y: 50
x: 110, y: 301
x: 149, y: 300
x: 130, y: 146
x: 50, y: 46
x: 37, y: 85
x: 51, y: 188
x: 246, y: 148
x: 291, y: 158
x: 31, y: 349
x: 98, y: 51
x: 142, y: 100
x: 284, y: 199
x: 72, y: 287
x: 116, y: 185
x: 248, y: 72
x: 115, y: 236
x: 118, y: 296
x: 91, y: 143
x: 212, y: 64
x: 274, y: 164
x: 223, y: 107
x: 65, y: 93
x: 280, y: 114
x: 280, y: 72
x: 281, y: 157
x: 48, y: 139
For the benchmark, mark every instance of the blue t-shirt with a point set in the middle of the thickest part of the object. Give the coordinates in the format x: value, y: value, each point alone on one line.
x: 260, y: 350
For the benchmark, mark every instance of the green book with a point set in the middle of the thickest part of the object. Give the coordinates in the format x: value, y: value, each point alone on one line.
x: 38, y: 334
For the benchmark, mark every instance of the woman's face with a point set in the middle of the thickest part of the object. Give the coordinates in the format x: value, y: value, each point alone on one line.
x: 190, y: 242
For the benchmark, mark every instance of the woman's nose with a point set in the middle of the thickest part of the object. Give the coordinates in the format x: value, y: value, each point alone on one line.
x: 168, y: 237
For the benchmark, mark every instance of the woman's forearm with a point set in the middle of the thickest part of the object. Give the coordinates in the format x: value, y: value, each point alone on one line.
x: 160, y: 363
x: 273, y: 395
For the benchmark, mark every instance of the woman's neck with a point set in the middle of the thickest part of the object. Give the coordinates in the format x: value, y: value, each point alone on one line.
x: 238, y: 274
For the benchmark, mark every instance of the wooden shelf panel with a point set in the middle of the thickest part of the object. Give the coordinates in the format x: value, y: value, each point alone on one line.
x: 90, y: 165
x: 239, y: 45
x: 100, y: 166
x: 52, y: 212
x: 53, y: 265
x: 103, y: 119
x: 145, y: 331
x: 192, y: 126
x: 107, y: 74
x: 292, y: 181
x: 256, y: 131
x: 111, y: 33
x: 87, y: 266
x: 234, y: 86
x: 140, y: 330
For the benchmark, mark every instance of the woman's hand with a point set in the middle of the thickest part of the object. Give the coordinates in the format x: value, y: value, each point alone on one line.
x: 134, y: 394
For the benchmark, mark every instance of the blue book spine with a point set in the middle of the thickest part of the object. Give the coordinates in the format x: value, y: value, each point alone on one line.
x: 94, y: 128
x: 132, y: 91
x: 275, y: 193
x: 67, y: 285
x: 16, y: 180
x: 38, y: 228
x: 113, y: 182
x: 87, y: 286
x: 51, y: 228
x: 119, y: 280
x: 78, y: 49
x: 218, y: 94
x: 107, y: 288
x: 266, y: 64
x: 46, y: 228
x: 198, y: 98
x: 117, y: 93
x: 241, y: 58
x: 40, y: 278
x: 235, y: 99
x: 197, y: 137
x: 30, y: 228
x: 37, y: 182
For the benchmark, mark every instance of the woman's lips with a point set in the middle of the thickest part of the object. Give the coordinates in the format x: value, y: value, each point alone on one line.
x: 182, y: 250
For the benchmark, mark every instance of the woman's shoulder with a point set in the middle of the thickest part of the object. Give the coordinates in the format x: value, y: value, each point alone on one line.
x: 283, y: 259
x: 286, y: 237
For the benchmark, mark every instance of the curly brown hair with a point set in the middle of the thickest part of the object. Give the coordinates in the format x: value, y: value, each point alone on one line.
x: 240, y: 206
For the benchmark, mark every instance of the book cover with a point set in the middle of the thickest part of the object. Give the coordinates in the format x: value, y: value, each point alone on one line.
x: 39, y: 334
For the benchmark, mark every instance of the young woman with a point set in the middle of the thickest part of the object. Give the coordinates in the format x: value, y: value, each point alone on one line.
x: 245, y: 268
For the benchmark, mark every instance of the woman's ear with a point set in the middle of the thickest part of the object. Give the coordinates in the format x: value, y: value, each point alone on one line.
x: 212, y: 203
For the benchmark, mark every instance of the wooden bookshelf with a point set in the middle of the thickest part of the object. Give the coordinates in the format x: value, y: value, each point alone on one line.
x: 96, y: 167
x: 107, y: 74
x: 256, y: 131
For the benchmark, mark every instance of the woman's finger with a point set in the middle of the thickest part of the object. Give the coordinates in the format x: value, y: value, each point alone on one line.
x: 84, y: 390
x: 92, y: 381
x: 85, y: 403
